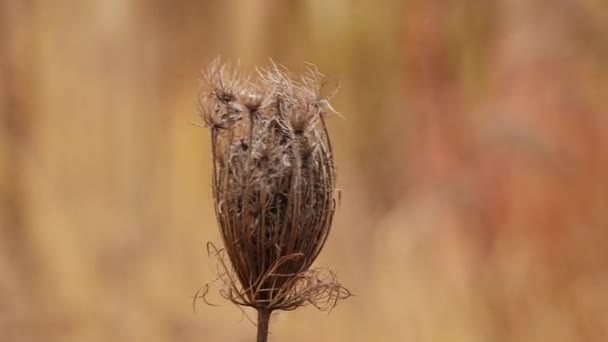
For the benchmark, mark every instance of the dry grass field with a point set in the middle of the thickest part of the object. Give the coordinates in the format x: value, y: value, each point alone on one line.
x: 472, y: 159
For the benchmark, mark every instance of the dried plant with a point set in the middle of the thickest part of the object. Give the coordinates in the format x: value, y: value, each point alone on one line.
x: 273, y: 187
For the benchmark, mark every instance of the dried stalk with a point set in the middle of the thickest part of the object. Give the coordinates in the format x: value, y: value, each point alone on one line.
x: 263, y: 322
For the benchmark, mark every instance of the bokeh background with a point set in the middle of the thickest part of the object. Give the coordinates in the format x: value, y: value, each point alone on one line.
x: 472, y: 155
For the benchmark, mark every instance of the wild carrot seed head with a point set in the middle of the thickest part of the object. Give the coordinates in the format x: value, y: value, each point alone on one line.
x: 273, y: 185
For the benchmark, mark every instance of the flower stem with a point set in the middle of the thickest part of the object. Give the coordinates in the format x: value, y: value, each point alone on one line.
x: 263, y: 320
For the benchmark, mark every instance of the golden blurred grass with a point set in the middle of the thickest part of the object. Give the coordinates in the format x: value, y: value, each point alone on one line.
x: 472, y: 159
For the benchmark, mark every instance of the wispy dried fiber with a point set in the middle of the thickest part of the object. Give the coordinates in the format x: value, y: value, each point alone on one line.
x: 273, y: 186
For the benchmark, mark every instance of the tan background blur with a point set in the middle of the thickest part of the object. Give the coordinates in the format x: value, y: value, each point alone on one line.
x: 473, y: 160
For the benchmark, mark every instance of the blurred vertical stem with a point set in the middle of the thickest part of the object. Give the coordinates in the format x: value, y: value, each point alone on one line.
x: 263, y: 320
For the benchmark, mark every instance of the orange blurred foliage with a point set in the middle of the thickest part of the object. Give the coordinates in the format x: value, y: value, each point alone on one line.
x: 471, y: 161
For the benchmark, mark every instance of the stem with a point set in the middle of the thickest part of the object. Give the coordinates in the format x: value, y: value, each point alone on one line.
x: 263, y: 320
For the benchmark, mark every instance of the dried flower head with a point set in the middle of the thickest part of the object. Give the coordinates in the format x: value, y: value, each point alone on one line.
x: 273, y: 186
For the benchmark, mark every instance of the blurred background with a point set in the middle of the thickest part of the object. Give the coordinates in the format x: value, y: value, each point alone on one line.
x: 472, y: 156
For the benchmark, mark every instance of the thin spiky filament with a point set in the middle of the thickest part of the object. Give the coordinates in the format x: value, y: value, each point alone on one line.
x: 273, y: 186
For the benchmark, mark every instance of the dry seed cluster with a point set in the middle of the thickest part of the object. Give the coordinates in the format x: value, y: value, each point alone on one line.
x: 273, y: 186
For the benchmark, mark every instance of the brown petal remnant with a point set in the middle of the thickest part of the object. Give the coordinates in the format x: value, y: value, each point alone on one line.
x: 273, y: 188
